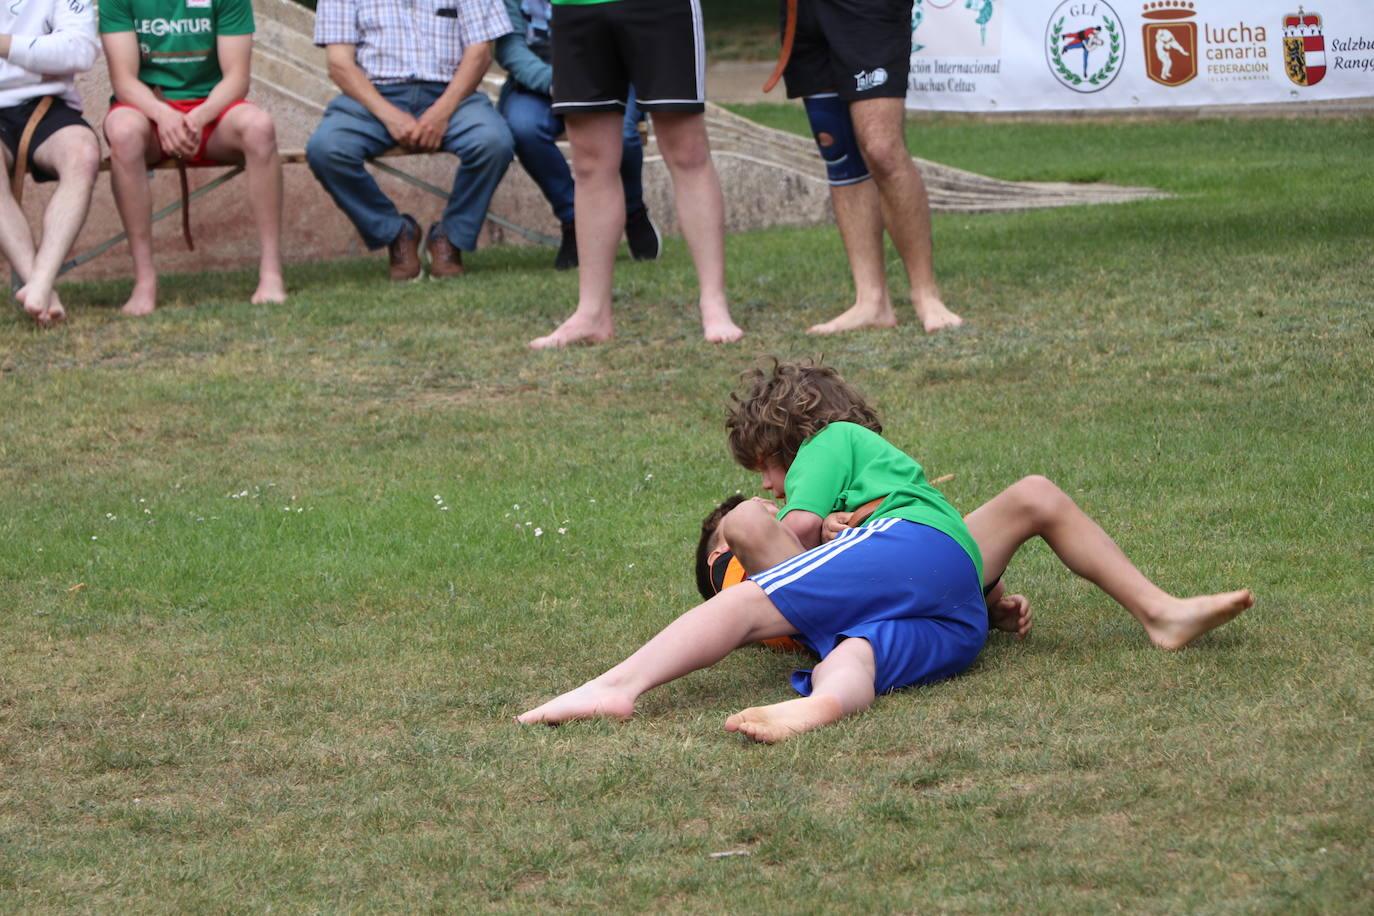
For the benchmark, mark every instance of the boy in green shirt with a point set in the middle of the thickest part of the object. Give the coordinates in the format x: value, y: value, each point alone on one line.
x: 895, y: 603
x: 179, y: 70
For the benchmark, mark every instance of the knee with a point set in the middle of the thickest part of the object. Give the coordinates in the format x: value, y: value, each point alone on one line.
x: 82, y: 160
x: 128, y: 135
x: 1039, y: 499
x: 747, y: 525
x: 259, y: 133
x: 688, y: 154
x: 323, y: 152
x: 886, y: 156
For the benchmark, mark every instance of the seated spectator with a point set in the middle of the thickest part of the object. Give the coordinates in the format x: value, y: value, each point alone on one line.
x: 180, y: 75
x: 527, y: 105
x: 409, y: 76
x: 43, y: 45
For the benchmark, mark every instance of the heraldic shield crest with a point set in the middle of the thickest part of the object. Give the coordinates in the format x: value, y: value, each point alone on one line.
x: 1304, y: 48
x: 1170, y: 42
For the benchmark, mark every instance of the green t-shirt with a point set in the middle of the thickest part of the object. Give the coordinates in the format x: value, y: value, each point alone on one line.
x: 176, y: 39
x: 846, y: 465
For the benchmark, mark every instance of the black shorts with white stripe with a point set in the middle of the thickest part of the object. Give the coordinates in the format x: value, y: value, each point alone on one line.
x: 601, y: 49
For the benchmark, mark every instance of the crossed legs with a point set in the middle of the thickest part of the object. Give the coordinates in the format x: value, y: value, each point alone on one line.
x: 246, y: 135
x: 73, y: 155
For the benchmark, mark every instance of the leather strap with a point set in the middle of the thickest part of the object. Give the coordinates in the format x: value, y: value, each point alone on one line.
x: 864, y: 512
x: 185, y: 183
x: 789, y: 34
x: 21, y: 158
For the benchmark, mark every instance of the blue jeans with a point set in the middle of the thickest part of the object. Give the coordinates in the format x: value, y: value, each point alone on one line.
x: 349, y: 135
x: 536, y: 129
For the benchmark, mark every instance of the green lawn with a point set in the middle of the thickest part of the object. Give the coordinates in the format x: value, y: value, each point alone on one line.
x: 271, y: 587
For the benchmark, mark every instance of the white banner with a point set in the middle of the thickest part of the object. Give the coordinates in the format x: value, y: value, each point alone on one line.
x: 1027, y: 55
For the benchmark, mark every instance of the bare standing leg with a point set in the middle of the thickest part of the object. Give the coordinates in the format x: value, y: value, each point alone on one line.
x: 701, y: 212
x: 599, y: 214
x: 859, y: 216
x: 906, y: 208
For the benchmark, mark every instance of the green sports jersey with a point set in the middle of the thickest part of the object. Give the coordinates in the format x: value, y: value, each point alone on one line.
x: 845, y: 465
x: 176, y: 39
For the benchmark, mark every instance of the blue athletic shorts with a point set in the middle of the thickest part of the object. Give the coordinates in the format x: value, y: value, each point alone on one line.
x: 909, y: 589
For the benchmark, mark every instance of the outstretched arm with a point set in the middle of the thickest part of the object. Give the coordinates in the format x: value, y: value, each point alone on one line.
x: 70, y: 48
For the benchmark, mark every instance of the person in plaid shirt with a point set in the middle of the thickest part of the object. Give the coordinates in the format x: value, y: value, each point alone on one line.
x: 409, y: 72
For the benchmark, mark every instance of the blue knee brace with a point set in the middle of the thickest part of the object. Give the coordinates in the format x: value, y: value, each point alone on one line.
x: 834, y: 132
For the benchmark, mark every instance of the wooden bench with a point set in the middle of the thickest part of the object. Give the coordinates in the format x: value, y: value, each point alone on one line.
x: 288, y: 157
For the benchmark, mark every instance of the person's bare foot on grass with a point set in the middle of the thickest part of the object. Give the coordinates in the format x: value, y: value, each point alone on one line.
x: 271, y: 290
x: 1185, y: 619
x: 716, y: 324
x: 859, y: 315
x: 590, y: 701
x: 142, y: 300
x: 934, y: 315
x: 1011, y: 614
x: 577, y: 329
x: 44, y: 317
x: 771, y: 724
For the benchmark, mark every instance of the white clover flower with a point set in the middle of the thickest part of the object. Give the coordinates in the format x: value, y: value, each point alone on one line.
x: 539, y: 532
x: 562, y: 530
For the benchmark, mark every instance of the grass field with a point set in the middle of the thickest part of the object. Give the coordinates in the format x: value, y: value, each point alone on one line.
x: 274, y: 580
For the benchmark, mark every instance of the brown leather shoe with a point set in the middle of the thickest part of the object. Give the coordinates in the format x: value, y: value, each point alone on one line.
x: 444, y: 259
x: 405, y: 251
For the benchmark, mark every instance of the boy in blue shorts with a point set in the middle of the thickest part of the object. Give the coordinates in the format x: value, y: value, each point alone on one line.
x: 895, y: 603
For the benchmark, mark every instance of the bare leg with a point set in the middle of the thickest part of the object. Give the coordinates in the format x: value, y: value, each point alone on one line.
x: 73, y: 155
x: 756, y: 536
x: 16, y: 239
x: 1035, y: 506
x: 859, y: 215
x: 698, y: 639
x: 599, y: 213
x: 701, y: 211
x: 133, y: 148
x: 247, y: 135
x: 906, y: 208
x: 841, y: 685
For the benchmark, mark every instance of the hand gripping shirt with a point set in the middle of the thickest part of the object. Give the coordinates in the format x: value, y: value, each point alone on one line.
x: 176, y: 39
x: 846, y: 465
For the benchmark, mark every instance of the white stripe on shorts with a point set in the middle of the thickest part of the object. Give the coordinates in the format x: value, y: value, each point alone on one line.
x: 791, y: 563
x: 699, y: 42
x: 777, y: 578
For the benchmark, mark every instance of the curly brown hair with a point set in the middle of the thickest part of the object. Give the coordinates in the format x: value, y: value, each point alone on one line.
x: 783, y: 408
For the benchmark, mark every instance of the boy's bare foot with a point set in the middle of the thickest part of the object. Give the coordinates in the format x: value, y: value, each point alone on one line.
x: 934, y: 315
x: 858, y: 315
x: 590, y: 701
x: 44, y: 317
x: 1185, y: 619
x: 142, y: 300
x: 577, y: 329
x: 271, y: 290
x: 1011, y: 614
x: 771, y: 724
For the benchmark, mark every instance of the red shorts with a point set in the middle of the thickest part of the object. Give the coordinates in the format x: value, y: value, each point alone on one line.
x: 185, y: 106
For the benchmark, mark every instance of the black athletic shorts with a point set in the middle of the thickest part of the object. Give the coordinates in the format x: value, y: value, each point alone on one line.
x: 860, y: 49
x: 13, y: 121
x: 601, y: 49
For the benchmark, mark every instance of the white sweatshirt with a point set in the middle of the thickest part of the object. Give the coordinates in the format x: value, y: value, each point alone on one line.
x: 51, y: 41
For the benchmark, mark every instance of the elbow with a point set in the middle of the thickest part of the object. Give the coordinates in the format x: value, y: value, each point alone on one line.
x: 480, y: 55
